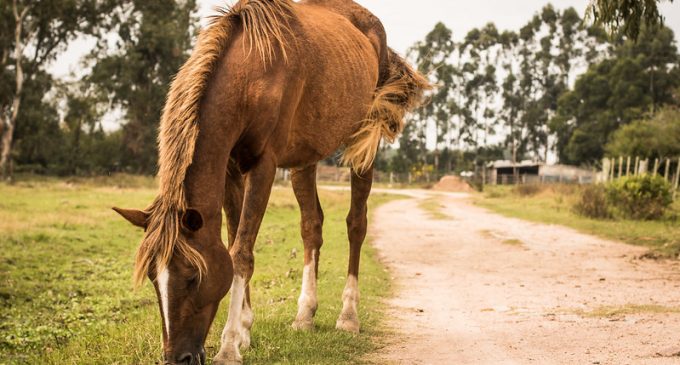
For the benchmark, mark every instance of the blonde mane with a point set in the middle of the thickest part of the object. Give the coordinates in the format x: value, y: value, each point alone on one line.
x: 400, y: 94
x: 264, y: 23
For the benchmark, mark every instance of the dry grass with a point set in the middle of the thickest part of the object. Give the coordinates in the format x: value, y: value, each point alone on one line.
x: 626, y: 309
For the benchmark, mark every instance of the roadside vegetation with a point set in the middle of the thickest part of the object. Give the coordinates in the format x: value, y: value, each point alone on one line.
x: 564, y: 205
x: 66, y: 294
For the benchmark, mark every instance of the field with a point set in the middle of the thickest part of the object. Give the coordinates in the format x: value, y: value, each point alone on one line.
x: 66, y: 295
x: 554, y: 205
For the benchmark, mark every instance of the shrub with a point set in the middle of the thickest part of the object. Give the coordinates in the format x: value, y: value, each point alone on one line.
x: 592, y: 202
x: 640, y: 197
x: 527, y: 189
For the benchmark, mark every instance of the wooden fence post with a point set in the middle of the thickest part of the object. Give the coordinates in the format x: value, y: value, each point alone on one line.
x: 606, y: 169
x: 656, y: 166
x: 620, y: 166
x: 667, y: 170
x: 636, y: 167
x: 677, y: 180
x: 627, y: 165
x: 644, y: 166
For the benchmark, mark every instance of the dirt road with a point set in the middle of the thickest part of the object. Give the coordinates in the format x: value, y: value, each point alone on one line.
x: 480, y: 288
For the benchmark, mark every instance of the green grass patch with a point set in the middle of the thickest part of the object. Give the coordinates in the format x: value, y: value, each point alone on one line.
x: 66, y: 294
x: 434, y: 209
x: 554, y: 205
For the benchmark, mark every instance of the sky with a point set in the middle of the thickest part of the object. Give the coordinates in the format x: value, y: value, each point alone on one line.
x: 407, y: 23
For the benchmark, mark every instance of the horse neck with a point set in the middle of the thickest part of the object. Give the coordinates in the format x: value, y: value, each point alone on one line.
x: 205, y: 180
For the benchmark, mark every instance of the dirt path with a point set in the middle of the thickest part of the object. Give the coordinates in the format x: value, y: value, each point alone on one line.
x: 480, y: 288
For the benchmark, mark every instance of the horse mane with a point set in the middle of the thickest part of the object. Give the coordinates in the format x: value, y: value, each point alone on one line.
x: 400, y: 94
x: 264, y: 23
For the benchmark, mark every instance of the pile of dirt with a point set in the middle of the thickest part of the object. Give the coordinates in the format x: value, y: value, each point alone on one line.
x: 453, y: 183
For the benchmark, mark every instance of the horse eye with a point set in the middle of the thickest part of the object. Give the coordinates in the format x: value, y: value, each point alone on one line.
x: 192, y: 281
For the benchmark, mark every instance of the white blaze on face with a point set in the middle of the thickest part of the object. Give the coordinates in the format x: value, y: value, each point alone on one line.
x: 163, y: 279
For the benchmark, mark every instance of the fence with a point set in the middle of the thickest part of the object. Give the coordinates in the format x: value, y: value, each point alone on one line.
x: 668, y: 168
x: 335, y: 174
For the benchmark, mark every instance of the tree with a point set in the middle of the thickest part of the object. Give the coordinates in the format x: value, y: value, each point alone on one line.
x: 638, y: 80
x: 155, y: 38
x: 654, y: 137
x: 433, y: 58
x: 626, y: 16
x: 39, y: 29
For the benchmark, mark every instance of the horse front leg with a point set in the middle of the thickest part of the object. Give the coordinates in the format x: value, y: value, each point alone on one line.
x: 357, y: 223
x: 311, y: 222
x: 258, y: 184
x: 233, y: 205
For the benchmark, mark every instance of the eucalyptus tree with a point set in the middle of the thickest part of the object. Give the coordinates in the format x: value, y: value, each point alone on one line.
x: 481, y: 50
x: 625, y: 16
x: 433, y: 57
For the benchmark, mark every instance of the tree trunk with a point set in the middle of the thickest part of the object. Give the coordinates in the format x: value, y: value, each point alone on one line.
x: 10, y: 120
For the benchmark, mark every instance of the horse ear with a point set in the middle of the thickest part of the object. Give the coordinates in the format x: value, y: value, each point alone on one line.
x: 192, y: 220
x: 136, y: 217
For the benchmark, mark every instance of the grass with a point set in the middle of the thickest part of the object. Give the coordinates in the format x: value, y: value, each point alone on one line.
x: 627, y: 309
x: 66, y: 295
x: 507, y: 241
x: 554, y: 205
x: 434, y: 209
x: 513, y: 242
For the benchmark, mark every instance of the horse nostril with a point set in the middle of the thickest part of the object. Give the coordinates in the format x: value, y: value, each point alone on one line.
x: 186, y: 358
x: 201, y: 357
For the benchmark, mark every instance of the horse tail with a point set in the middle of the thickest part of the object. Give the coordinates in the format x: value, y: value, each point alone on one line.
x: 400, y: 94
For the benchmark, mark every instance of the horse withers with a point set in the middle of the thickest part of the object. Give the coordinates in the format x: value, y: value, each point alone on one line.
x: 270, y: 83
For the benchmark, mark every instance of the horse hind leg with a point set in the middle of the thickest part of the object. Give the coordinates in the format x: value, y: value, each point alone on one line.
x: 311, y: 222
x: 357, y: 223
x: 258, y: 184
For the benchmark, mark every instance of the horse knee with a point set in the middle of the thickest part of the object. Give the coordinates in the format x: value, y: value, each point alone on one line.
x: 244, y: 262
x: 356, y: 225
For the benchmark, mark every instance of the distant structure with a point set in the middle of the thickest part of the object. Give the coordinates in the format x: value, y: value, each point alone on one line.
x: 504, y: 172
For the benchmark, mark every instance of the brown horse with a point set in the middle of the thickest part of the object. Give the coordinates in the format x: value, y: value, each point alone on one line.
x: 271, y: 83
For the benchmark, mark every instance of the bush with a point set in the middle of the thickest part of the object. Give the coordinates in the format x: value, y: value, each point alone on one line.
x: 593, y: 202
x: 640, y: 197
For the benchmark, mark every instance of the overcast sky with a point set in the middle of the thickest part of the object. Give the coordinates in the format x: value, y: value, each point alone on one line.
x: 407, y: 22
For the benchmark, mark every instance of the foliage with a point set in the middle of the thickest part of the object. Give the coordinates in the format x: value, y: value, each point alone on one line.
x: 81, y: 309
x: 640, y: 197
x: 626, y: 16
x: 655, y: 137
x: 593, y: 203
x: 135, y: 74
x: 640, y: 79
x: 32, y: 34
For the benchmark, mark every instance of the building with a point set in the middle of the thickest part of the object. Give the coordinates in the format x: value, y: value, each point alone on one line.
x: 502, y: 172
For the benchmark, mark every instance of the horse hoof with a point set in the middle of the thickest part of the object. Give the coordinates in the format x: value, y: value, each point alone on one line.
x: 226, y: 359
x: 347, y: 325
x: 303, y: 325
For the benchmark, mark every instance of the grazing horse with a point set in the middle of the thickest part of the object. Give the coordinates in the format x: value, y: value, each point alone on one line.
x: 271, y: 83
